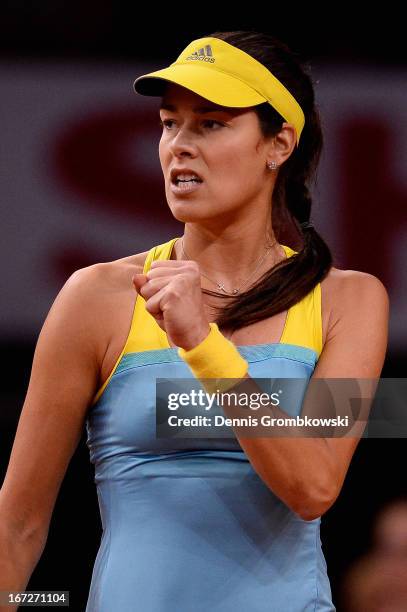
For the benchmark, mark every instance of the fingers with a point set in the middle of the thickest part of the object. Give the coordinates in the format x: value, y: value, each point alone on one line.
x: 153, y: 303
x: 138, y: 281
x: 151, y: 286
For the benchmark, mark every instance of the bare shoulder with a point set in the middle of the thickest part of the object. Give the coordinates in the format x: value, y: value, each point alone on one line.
x: 109, y: 280
x: 106, y: 282
x: 137, y: 260
x: 115, y: 274
x: 345, y: 291
x: 342, y: 285
x: 113, y: 297
x: 113, y: 278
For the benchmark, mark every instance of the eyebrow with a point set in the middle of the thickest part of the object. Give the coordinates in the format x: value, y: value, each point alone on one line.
x: 198, y: 109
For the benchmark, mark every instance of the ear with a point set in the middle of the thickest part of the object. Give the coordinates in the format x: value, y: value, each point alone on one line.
x: 282, y: 144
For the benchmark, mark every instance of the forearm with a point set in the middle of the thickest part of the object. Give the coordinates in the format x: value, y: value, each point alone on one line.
x: 300, y: 470
x: 296, y: 470
x: 18, y: 559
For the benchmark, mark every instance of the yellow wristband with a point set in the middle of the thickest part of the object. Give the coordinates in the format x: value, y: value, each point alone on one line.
x: 216, y: 358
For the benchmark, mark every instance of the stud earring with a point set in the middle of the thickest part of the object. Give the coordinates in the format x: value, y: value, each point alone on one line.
x: 272, y: 165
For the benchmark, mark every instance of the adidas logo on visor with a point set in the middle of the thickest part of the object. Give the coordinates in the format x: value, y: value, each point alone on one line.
x: 204, y: 55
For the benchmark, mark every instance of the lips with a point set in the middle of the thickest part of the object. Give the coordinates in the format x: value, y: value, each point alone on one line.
x: 175, y: 172
x: 184, y: 188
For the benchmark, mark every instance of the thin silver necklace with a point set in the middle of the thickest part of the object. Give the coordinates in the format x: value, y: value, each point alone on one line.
x: 221, y: 285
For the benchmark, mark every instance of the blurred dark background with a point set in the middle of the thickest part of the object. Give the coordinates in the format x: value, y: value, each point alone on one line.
x: 81, y: 183
x: 123, y: 30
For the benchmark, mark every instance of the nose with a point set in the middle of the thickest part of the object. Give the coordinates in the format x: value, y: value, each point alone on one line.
x: 182, y: 144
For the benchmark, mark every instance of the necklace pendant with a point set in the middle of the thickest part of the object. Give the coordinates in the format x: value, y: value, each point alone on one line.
x: 222, y: 287
x: 235, y: 291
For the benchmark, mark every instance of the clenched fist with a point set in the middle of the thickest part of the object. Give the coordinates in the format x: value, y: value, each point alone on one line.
x: 172, y: 291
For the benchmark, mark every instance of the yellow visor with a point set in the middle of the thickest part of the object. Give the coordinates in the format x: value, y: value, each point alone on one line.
x: 225, y: 75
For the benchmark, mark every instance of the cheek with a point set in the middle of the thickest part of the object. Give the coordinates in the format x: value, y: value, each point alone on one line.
x: 239, y: 171
x: 164, y: 149
x: 226, y: 164
x: 161, y: 151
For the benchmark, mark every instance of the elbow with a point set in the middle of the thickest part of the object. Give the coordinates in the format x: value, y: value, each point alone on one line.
x: 22, y: 535
x: 311, y: 505
x: 310, y: 513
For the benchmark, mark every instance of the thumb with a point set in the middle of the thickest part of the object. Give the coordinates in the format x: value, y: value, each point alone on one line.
x: 138, y: 281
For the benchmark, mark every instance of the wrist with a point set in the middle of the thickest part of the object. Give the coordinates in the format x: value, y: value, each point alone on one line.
x: 195, y: 340
x: 215, y: 360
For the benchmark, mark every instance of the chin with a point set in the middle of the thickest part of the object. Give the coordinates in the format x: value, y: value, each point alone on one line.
x: 187, y: 209
x: 180, y: 214
x: 192, y: 209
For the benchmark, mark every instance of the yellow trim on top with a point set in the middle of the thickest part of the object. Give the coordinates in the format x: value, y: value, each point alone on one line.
x: 149, y: 258
x: 146, y: 334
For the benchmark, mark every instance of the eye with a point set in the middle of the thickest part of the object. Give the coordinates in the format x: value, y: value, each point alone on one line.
x: 165, y: 123
x: 213, y: 121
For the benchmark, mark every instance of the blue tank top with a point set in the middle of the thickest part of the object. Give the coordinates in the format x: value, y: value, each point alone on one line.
x: 188, y: 525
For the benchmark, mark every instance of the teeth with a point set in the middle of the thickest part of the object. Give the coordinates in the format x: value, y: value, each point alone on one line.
x: 187, y: 177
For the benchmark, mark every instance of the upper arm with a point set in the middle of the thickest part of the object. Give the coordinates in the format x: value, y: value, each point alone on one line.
x: 355, y: 348
x: 64, y: 376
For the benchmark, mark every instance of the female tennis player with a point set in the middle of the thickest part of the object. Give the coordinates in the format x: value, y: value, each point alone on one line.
x: 202, y: 523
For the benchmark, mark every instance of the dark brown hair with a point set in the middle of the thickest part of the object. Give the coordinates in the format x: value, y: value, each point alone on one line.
x: 290, y: 280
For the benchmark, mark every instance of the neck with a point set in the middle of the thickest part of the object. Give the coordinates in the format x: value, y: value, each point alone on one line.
x: 231, y: 256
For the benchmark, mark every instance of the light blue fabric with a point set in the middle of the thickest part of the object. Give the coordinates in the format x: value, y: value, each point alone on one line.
x: 188, y: 526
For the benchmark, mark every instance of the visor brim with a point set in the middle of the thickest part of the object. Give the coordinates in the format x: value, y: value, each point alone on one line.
x: 209, y: 83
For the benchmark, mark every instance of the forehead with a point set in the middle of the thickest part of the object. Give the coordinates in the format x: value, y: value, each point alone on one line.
x: 176, y: 97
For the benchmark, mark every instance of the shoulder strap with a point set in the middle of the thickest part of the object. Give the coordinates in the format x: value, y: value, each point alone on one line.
x: 304, y: 319
x: 144, y: 333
